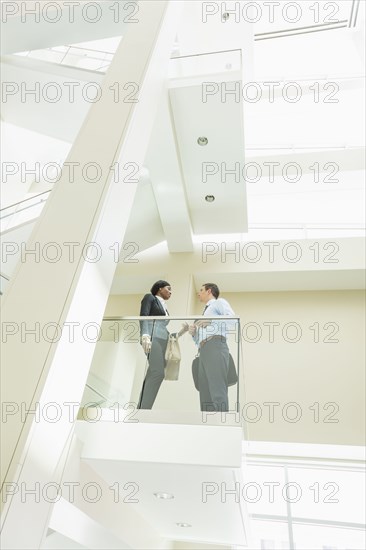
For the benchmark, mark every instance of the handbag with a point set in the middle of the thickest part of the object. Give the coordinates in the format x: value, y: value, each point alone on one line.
x: 172, y: 359
x: 232, y: 377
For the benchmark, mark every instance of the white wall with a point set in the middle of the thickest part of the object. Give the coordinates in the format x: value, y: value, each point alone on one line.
x: 305, y: 372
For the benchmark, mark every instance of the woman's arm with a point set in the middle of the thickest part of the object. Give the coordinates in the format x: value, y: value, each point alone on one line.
x: 145, y: 310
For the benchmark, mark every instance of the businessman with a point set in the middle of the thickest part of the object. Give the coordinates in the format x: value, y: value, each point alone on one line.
x: 210, y: 337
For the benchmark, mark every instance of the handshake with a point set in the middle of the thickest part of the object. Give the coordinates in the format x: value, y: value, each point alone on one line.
x: 197, y: 324
x: 146, y: 339
x: 191, y: 328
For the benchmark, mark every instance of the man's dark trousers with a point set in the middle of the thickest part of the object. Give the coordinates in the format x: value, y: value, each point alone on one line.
x: 212, y: 375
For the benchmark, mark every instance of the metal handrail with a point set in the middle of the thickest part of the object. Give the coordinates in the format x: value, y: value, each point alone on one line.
x: 86, y: 49
x: 206, y: 53
x: 171, y: 318
x: 25, y: 200
x: 22, y: 209
x: 6, y: 279
x: 344, y: 227
x: 107, y: 62
x: 97, y: 392
x: 85, y: 56
x: 301, y: 30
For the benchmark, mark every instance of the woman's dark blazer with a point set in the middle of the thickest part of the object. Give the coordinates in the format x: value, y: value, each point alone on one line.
x: 150, y: 305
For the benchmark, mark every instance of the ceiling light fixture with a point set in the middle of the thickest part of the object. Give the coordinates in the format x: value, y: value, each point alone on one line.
x: 202, y: 141
x: 184, y: 525
x: 165, y: 496
x: 209, y: 198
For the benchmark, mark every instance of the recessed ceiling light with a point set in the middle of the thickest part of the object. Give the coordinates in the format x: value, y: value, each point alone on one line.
x: 209, y: 198
x: 225, y: 16
x: 184, y: 525
x: 165, y: 496
x: 202, y: 141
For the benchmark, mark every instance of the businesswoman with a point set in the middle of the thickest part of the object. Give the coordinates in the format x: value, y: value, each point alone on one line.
x: 154, y: 339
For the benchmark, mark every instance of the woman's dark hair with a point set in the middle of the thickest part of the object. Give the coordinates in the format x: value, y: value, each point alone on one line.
x: 156, y: 286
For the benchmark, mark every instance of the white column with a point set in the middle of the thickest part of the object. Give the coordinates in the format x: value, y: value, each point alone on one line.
x: 73, y: 289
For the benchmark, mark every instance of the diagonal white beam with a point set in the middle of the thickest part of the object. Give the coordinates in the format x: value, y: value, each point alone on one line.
x: 52, y: 368
x: 164, y: 166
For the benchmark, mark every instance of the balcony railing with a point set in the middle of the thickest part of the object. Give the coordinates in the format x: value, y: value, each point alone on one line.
x: 180, y: 66
x: 73, y: 56
x: 213, y: 63
x: 119, y: 368
x: 22, y: 211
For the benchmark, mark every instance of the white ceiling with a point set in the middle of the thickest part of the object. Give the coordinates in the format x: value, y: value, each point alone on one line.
x: 312, y: 130
x: 177, y: 459
x: 185, y: 483
x: 222, y: 125
x: 169, y: 205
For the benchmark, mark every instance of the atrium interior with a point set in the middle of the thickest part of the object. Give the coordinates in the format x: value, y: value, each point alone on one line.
x: 191, y: 142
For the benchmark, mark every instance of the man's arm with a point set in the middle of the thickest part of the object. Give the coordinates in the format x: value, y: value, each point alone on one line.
x: 193, y: 331
x: 224, y: 307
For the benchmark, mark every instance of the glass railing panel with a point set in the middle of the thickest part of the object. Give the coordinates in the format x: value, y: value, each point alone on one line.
x: 48, y: 54
x: 180, y: 66
x: 73, y: 56
x: 120, y: 378
x: 87, y: 59
x: 23, y: 211
x: 115, y: 363
x: 204, y: 64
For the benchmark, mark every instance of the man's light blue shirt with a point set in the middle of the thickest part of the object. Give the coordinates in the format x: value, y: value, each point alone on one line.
x: 216, y: 308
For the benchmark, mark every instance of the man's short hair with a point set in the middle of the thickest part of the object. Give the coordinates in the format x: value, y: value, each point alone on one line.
x: 156, y: 286
x: 214, y: 289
